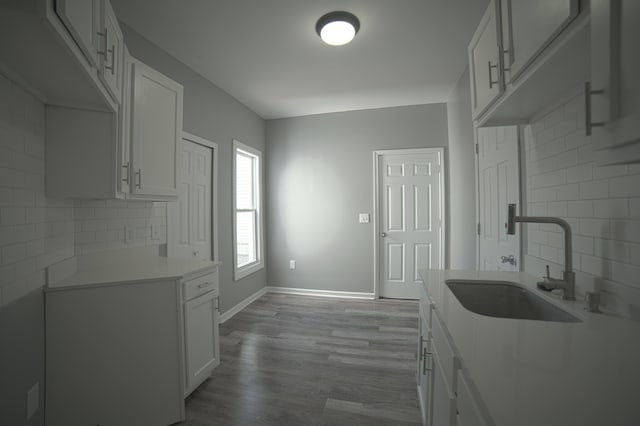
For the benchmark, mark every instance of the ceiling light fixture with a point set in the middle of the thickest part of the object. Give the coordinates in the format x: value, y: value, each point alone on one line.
x: 337, y: 28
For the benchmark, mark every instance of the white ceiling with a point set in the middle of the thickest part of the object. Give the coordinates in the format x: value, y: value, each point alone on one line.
x: 266, y: 53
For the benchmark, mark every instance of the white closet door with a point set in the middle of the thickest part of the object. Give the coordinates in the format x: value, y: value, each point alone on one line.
x: 190, y: 217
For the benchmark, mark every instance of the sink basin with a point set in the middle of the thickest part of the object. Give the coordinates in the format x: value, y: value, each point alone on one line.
x: 503, y: 299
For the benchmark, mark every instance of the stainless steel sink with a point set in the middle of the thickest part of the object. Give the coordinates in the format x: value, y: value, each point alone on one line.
x: 505, y: 299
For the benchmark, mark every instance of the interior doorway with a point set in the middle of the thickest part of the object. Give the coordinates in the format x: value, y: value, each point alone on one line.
x: 408, y: 219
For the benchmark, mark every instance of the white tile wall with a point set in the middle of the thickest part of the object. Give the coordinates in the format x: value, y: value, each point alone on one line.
x: 100, y: 225
x: 602, y: 204
x: 35, y: 231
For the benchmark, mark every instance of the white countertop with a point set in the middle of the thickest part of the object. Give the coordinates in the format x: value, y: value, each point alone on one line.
x: 128, y: 266
x: 533, y: 373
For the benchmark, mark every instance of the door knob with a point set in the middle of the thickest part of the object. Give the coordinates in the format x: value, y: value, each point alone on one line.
x: 383, y: 234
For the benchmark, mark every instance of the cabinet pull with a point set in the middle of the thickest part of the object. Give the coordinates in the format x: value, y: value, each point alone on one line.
x: 203, y: 285
x: 139, y: 173
x: 104, y: 35
x: 126, y: 173
x: 112, y: 68
x: 424, y: 361
x: 588, y: 124
x: 506, y: 68
x: 491, y: 82
x: 420, y: 350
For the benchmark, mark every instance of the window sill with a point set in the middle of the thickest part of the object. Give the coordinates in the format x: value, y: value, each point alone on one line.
x: 239, y: 273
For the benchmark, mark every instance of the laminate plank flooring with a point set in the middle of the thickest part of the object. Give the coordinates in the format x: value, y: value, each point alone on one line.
x: 296, y: 360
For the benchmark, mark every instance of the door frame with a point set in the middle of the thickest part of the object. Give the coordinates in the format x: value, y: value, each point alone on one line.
x: 171, y: 235
x: 377, y: 154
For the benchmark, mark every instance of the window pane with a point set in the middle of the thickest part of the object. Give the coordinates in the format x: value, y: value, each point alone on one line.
x: 245, y: 238
x: 244, y: 181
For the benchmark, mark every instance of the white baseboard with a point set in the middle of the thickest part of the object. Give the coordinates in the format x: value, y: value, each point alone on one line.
x: 320, y: 293
x: 243, y: 304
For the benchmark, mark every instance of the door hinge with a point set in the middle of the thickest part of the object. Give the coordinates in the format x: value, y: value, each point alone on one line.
x: 477, y: 149
x: 478, y: 228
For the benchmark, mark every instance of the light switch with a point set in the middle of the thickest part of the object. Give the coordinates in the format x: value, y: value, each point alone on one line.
x: 363, y: 217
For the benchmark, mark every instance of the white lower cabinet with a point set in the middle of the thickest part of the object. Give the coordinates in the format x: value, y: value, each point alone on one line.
x: 445, y: 392
x: 423, y: 371
x: 443, y: 408
x: 468, y: 412
x: 201, y: 318
x: 114, y: 354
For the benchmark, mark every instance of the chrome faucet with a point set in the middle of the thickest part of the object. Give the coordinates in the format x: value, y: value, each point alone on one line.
x: 568, y: 282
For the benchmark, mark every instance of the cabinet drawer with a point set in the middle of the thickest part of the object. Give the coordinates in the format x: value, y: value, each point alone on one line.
x: 445, y: 354
x: 201, y: 285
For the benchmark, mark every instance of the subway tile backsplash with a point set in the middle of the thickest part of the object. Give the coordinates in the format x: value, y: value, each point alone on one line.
x: 601, y: 203
x: 37, y: 231
x: 100, y: 225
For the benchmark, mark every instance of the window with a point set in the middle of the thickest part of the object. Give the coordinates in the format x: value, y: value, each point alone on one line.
x: 247, y: 193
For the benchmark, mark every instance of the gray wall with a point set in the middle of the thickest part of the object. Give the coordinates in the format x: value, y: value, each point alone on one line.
x: 319, y: 177
x: 462, y: 189
x: 214, y: 115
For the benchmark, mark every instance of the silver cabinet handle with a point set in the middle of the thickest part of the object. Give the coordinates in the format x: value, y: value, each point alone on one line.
x: 104, y: 35
x: 139, y: 173
x: 588, y: 124
x: 203, y: 285
x: 491, y: 82
x: 126, y: 174
x: 424, y: 361
x: 112, y: 68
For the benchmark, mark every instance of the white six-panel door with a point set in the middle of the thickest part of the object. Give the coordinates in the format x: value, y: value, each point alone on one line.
x: 410, y: 194
x: 498, y: 186
x: 190, y: 217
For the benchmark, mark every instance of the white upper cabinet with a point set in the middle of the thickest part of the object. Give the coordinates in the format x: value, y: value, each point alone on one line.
x: 111, y: 51
x: 543, y: 49
x: 484, y: 62
x: 94, y: 27
x: 528, y: 26
x: 156, y: 127
x: 613, y: 98
x: 81, y: 19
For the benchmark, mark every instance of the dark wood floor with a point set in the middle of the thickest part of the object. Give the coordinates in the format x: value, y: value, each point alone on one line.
x: 293, y: 360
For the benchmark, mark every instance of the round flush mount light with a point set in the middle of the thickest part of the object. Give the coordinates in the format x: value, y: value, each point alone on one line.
x: 337, y: 28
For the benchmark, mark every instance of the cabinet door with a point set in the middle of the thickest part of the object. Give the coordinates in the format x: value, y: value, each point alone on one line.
x: 466, y: 405
x: 124, y: 114
x: 532, y: 25
x: 484, y: 62
x: 443, y: 409
x: 615, y: 85
x: 111, y: 51
x: 81, y: 17
x: 156, y: 126
x: 423, y: 371
x: 201, y: 339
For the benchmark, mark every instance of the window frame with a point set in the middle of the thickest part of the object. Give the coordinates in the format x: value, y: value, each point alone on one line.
x: 248, y: 269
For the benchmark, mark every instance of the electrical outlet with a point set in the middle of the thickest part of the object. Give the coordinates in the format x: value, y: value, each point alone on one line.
x: 292, y: 264
x: 129, y: 234
x: 363, y: 217
x: 33, y: 400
